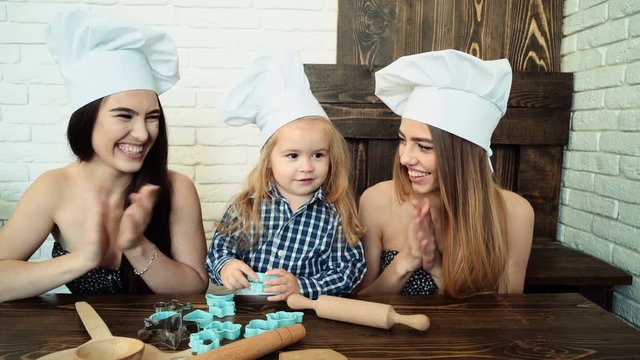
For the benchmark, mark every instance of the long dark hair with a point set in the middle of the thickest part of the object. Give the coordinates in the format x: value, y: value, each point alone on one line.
x: 153, y: 171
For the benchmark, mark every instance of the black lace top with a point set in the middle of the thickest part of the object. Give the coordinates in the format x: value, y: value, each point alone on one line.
x: 96, y: 281
x: 419, y: 283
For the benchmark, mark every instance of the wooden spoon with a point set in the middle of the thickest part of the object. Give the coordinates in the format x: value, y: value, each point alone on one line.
x: 103, y: 345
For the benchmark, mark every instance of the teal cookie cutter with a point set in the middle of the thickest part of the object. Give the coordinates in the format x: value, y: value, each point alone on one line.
x: 225, y: 330
x: 286, y: 318
x: 211, y: 298
x: 200, y: 317
x: 258, y: 326
x: 162, y: 315
x: 203, y: 341
x: 257, y: 287
x: 221, y: 305
x: 274, y: 321
x: 222, y: 308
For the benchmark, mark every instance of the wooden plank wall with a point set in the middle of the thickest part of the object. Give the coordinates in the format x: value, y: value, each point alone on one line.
x: 528, y: 143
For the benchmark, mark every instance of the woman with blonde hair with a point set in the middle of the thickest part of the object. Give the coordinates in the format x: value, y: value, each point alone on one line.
x: 296, y: 218
x: 443, y: 224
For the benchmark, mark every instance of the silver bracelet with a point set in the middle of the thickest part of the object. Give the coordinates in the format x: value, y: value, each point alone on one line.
x: 153, y: 257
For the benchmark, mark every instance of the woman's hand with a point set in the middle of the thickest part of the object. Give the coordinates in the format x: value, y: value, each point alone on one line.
x: 137, y: 216
x: 234, y: 275
x: 419, y: 250
x: 97, y: 237
x: 285, y: 285
x: 425, y: 235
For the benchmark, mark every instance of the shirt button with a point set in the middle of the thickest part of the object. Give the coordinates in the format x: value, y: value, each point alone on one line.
x: 281, y: 253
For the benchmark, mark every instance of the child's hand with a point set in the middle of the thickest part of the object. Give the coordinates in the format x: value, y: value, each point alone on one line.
x: 234, y: 275
x: 285, y: 285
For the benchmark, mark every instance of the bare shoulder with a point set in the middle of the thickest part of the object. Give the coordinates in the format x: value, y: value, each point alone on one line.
x: 521, y: 219
x: 183, y: 189
x: 52, y: 183
x: 378, y: 196
x: 180, y: 182
x: 518, y: 208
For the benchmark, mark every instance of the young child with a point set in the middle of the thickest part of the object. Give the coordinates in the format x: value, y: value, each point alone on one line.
x: 296, y: 217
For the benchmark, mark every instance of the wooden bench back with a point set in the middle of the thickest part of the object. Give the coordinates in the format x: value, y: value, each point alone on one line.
x: 527, y: 144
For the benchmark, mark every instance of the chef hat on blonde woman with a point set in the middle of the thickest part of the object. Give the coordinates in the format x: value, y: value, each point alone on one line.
x: 271, y: 93
x: 451, y: 90
x: 99, y: 55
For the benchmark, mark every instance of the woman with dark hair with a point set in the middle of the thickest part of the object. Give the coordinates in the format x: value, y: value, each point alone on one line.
x: 122, y: 222
x: 443, y: 225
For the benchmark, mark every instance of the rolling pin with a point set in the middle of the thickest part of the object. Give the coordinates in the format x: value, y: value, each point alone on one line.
x: 357, y: 312
x: 256, y: 346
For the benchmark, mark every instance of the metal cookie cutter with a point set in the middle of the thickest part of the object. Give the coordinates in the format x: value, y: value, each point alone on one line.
x: 225, y: 330
x: 203, y: 341
x: 164, y: 327
x: 173, y: 305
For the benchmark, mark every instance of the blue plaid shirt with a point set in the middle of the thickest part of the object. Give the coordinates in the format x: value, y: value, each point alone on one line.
x: 308, y: 243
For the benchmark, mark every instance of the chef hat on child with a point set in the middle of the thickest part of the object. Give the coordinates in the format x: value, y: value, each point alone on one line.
x: 271, y: 93
x: 99, y: 55
x: 451, y: 90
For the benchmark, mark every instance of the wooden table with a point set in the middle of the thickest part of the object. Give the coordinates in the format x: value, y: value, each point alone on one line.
x: 529, y: 326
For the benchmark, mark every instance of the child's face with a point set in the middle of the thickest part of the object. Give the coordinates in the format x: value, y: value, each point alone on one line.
x: 418, y: 156
x: 126, y: 128
x: 300, y: 159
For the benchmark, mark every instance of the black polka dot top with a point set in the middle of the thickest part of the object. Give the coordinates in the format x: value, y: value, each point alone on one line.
x: 419, y: 283
x: 96, y: 281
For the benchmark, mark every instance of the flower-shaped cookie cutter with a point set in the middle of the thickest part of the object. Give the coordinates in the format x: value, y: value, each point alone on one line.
x: 225, y: 330
x: 203, y: 341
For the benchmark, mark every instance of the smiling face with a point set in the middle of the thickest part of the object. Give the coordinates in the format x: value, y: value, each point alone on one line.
x: 126, y: 128
x: 300, y: 159
x: 417, y: 156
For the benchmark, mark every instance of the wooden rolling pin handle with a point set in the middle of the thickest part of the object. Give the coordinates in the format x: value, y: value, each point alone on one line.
x: 256, y: 346
x: 298, y: 302
x: 418, y: 321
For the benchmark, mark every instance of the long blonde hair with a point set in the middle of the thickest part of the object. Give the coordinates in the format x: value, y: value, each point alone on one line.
x: 474, y: 227
x: 244, y: 215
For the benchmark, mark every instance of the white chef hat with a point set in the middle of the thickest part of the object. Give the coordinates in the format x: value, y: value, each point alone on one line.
x: 271, y: 93
x: 99, y: 55
x: 448, y: 89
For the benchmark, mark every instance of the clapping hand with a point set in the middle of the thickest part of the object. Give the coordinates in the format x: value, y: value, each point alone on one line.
x: 137, y: 216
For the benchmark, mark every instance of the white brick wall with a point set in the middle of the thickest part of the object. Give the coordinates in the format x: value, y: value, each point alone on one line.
x: 215, y: 39
x: 600, y: 198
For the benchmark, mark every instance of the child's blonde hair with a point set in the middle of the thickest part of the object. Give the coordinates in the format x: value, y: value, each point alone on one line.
x: 244, y: 212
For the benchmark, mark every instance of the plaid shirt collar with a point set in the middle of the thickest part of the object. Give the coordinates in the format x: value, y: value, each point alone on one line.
x: 318, y: 195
